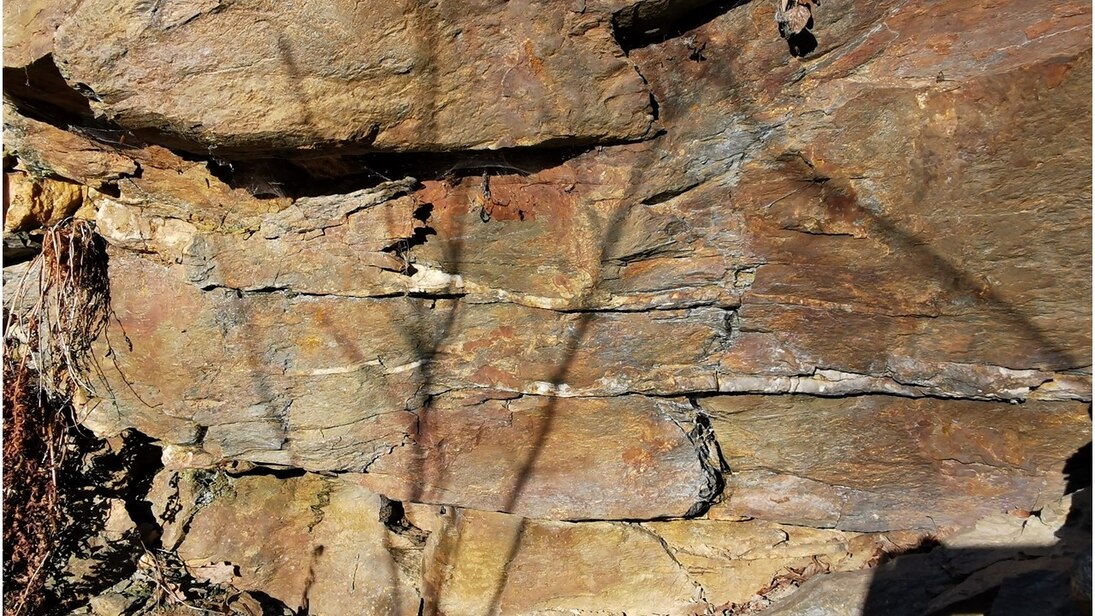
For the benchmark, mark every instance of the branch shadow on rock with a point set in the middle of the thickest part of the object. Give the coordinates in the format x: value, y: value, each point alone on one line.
x: 612, y: 236
x: 838, y: 196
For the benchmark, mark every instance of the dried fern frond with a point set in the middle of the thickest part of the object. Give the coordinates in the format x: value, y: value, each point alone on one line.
x: 33, y: 431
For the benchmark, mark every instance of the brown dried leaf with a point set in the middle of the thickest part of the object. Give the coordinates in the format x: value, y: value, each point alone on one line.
x: 796, y: 19
x: 215, y: 573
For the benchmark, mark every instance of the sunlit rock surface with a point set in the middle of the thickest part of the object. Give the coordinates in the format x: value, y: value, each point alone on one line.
x: 583, y: 307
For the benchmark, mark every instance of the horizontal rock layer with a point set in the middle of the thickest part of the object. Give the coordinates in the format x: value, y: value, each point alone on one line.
x: 891, y: 462
x: 351, y: 551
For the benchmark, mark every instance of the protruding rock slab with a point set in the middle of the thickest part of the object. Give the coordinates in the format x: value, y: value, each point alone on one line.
x: 403, y: 75
x: 891, y: 463
x: 46, y: 149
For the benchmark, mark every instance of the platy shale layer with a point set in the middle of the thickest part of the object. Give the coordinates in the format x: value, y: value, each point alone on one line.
x: 589, y: 307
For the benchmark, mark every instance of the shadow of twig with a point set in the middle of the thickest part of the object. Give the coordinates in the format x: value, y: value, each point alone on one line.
x: 613, y: 232
x: 1044, y: 353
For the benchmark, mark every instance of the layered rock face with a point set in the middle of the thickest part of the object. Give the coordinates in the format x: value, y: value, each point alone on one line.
x: 600, y: 307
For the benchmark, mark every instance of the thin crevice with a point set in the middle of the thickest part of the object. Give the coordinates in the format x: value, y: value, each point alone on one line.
x: 655, y: 109
x: 276, y: 175
x: 671, y: 193
x: 259, y: 470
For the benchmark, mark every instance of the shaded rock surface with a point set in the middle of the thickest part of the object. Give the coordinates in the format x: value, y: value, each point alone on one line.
x: 1004, y: 565
x: 603, y: 306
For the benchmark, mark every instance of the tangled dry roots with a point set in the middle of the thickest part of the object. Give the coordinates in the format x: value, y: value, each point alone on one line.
x: 47, y: 360
x: 71, y: 310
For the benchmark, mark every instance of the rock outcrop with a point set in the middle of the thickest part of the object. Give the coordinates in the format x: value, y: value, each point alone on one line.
x: 605, y: 306
x: 404, y: 76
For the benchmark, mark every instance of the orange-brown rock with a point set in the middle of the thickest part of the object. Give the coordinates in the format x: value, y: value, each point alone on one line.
x: 284, y: 535
x: 362, y: 399
x: 33, y: 203
x: 890, y: 463
x: 29, y: 28
x: 554, y: 274
x: 46, y: 150
x: 440, y: 76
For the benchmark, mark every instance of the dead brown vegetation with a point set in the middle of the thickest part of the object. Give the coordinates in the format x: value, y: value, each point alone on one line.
x: 32, y: 432
x: 57, y: 311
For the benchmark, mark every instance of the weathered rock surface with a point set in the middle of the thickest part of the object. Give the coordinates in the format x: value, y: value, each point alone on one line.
x: 890, y: 462
x: 459, y: 561
x: 351, y: 551
x: 559, y: 299
x: 610, y: 458
x: 1005, y: 565
x: 29, y: 28
x: 277, y: 399
x: 48, y: 150
x: 432, y: 76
